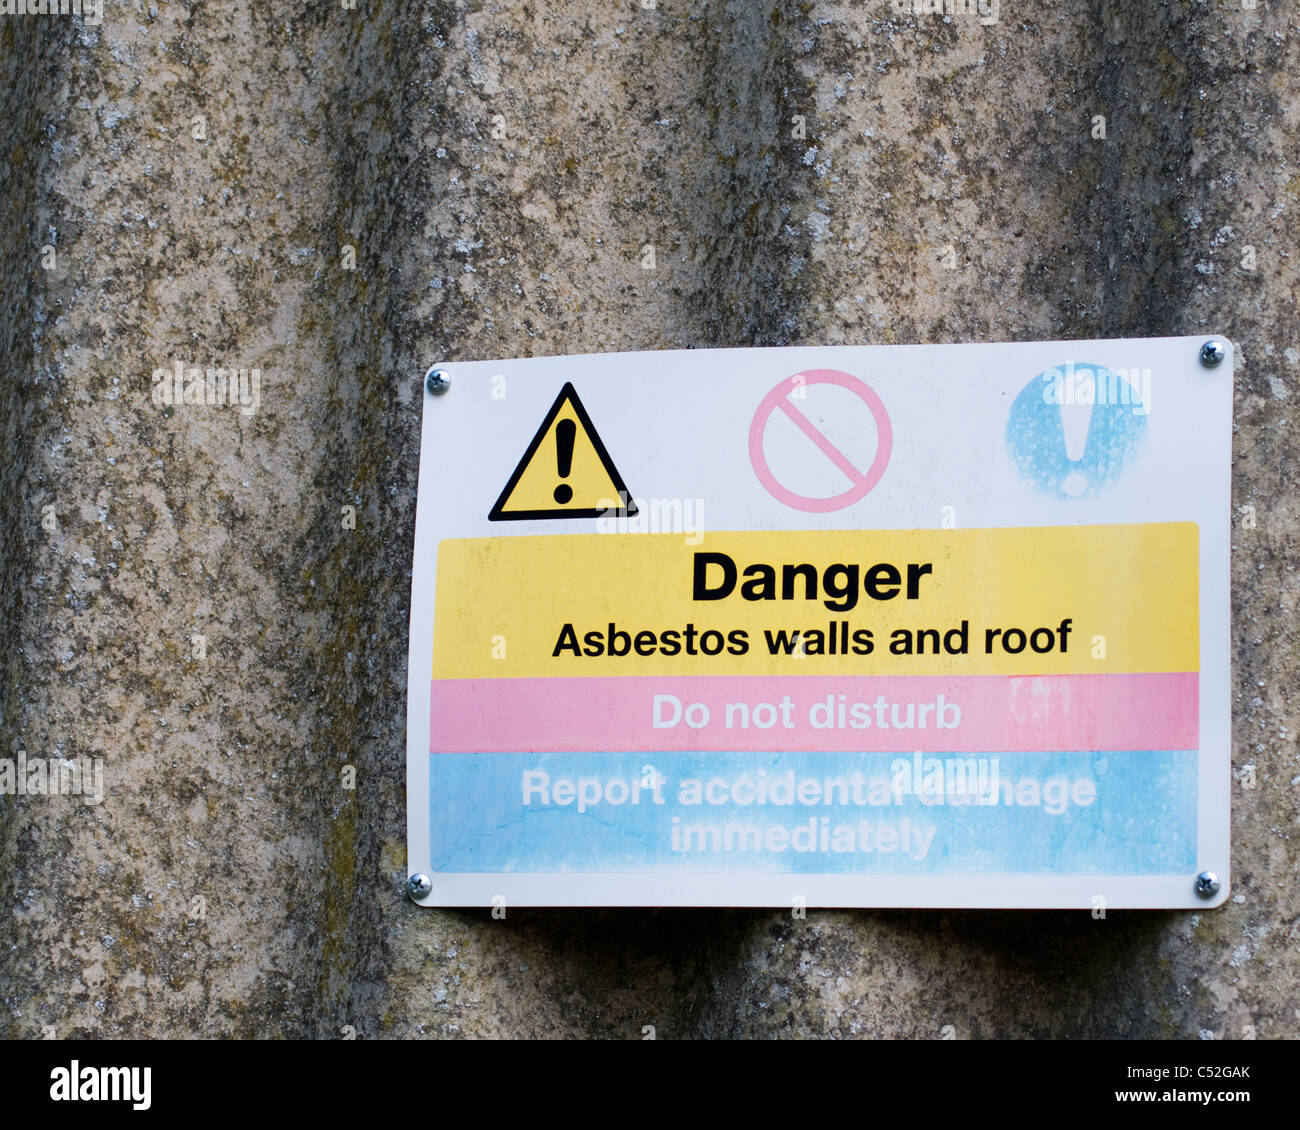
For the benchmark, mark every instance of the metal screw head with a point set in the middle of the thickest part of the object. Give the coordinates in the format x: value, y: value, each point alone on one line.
x: 1212, y: 353
x: 419, y: 886
x: 437, y: 381
x: 1207, y: 884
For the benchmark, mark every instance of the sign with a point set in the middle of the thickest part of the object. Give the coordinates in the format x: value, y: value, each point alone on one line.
x: 880, y: 626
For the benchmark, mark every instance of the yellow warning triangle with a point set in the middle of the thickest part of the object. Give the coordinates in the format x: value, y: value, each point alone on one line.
x: 565, y: 473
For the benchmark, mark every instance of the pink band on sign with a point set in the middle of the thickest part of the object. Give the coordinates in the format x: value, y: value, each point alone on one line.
x: 826, y: 713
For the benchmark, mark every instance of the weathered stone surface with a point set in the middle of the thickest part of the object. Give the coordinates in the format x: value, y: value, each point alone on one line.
x: 620, y: 126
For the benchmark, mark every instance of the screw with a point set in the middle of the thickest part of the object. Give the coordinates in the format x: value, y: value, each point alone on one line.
x: 437, y: 381
x: 1212, y: 353
x: 1207, y: 884
x: 420, y: 886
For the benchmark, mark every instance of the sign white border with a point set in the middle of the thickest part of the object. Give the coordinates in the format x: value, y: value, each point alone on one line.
x: 1203, y: 409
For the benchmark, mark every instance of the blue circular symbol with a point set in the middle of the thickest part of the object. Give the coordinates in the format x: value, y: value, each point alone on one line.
x: 1075, y: 429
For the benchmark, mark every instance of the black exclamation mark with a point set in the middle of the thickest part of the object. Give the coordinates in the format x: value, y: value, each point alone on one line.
x: 564, y: 434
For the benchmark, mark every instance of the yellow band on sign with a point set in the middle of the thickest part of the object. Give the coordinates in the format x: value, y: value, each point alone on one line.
x: 1046, y: 600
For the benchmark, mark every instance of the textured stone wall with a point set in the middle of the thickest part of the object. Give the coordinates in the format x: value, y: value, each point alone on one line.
x: 950, y: 188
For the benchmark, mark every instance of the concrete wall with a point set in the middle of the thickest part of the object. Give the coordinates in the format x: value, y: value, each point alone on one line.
x: 229, y: 884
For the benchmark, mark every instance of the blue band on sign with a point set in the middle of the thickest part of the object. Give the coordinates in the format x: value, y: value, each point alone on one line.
x: 1089, y: 813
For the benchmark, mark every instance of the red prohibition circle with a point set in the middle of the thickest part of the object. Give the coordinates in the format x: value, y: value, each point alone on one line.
x: 779, y: 398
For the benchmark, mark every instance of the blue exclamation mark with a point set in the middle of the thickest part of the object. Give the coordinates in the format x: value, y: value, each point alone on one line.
x: 1074, y: 430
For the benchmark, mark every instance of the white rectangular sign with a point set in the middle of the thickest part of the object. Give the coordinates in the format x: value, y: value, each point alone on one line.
x: 847, y: 626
